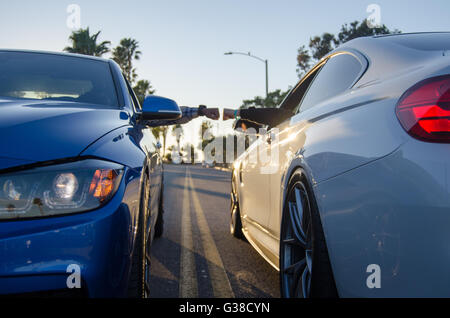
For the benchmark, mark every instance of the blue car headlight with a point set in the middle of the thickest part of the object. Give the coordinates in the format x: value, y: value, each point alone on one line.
x: 58, y: 189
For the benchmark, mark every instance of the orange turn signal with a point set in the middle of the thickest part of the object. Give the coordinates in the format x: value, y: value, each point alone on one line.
x: 102, y: 183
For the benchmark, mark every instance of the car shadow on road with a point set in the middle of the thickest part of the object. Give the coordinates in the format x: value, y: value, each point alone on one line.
x: 210, y: 177
x: 165, y: 274
x: 197, y: 189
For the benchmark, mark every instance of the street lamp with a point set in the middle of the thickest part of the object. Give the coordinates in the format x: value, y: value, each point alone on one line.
x: 266, y: 62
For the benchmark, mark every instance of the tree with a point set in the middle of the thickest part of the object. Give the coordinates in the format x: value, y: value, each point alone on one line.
x: 319, y: 46
x: 303, y: 60
x: 355, y: 30
x: 273, y: 99
x: 168, y: 156
x: 84, y: 43
x: 161, y: 131
x: 205, y: 139
x: 156, y: 131
x: 322, y: 45
x: 222, y: 152
x: 124, y: 54
x: 142, y: 89
x: 164, y: 131
x: 177, y: 131
x: 190, y: 149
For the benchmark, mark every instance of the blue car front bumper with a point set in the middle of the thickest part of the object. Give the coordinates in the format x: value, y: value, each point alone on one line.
x: 35, y: 254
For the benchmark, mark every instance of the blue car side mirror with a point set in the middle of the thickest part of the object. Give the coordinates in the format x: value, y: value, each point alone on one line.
x: 156, y: 107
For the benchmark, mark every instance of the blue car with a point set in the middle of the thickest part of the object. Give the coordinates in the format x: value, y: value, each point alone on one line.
x: 80, y: 177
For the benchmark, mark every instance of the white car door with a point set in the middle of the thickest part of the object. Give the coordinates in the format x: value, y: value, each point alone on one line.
x: 255, y: 189
x: 325, y: 80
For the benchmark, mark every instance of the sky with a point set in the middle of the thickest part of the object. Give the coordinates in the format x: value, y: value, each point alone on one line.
x: 183, y: 42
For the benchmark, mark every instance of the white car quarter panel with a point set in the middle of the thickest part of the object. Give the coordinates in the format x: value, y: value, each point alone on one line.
x: 351, y: 138
x: 393, y: 212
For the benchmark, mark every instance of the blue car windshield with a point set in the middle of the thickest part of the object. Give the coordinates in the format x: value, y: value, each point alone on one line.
x: 44, y: 76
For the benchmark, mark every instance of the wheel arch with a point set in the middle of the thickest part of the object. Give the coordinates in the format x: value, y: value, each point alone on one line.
x: 296, y: 164
x: 138, y: 219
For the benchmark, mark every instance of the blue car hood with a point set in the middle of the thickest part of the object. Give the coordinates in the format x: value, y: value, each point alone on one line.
x: 33, y: 131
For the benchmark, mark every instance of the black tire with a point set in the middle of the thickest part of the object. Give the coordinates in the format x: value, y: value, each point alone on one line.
x: 305, y: 269
x: 235, y: 220
x: 137, y: 287
x: 159, y: 225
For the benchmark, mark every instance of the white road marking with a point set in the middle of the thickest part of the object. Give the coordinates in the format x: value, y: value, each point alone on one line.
x: 188, y: 275
x: 218, y: 276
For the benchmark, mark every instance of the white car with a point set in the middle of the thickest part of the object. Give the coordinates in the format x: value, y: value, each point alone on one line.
x: 357, y: 203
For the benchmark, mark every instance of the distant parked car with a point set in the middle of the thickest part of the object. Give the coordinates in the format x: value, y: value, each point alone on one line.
x: 358, y: 204
x: 80, y: 177
x: 206, y: 164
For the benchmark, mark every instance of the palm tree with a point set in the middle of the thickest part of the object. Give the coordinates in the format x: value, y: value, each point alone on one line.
x: 142, y: 89
x: 177, y: 131
x: 190, y: 149
x: 124, y: 55
x: 206, y: 125
x: 84, y: 43
x: 161, y: 131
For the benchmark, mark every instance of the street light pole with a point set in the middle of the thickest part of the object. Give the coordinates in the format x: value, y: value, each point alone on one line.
x: 267, y: 78
x: 266, y: 62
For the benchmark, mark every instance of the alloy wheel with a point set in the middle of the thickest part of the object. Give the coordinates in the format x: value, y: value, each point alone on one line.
x: 296, y: 248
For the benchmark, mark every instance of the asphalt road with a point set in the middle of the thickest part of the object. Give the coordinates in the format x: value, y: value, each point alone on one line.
x: 197, y: 256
